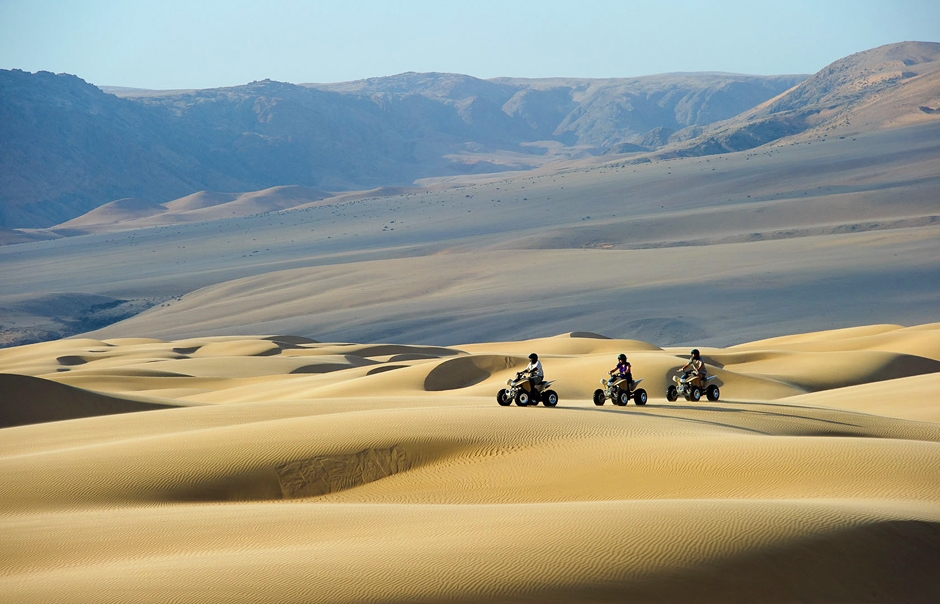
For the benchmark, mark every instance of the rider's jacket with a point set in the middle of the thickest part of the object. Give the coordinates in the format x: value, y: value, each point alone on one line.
x: 535, y: 368
x: 697, y: 365
x: 624, y: 368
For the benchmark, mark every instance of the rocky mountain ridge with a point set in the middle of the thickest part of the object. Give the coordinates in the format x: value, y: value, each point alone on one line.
x: 889, y: 86
x: 70, y: 147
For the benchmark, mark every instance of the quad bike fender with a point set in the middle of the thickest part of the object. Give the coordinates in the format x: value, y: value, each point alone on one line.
x: 542, y: 387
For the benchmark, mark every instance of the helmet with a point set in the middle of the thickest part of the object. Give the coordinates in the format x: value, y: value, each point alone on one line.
x: 695, y: 353
x: 622, y: 357
x: 533, y: 357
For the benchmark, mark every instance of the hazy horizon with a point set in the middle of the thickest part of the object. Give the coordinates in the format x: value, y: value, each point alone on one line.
x: 173, y: 45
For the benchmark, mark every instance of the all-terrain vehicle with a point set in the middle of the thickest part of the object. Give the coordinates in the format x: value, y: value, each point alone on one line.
x: 521, y: 391
x: 620, y: 391
x: 691, y: 385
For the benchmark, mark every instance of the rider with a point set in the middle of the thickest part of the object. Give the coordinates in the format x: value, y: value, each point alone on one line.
x: 534, y: 369
x: 695, y: 367
x: 623, y: 370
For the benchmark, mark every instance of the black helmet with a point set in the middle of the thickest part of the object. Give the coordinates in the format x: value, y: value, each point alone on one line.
x: 622, y: 357
x: 695, y: 353
x: 533, y: 357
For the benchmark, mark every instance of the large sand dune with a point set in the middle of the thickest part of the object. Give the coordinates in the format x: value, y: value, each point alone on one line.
x: 280, y: 469
x: 717, y: 250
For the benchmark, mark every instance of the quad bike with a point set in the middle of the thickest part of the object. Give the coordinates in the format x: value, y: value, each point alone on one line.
x: 619, y: 390
x: 690, y: 385
x: 523, y: 392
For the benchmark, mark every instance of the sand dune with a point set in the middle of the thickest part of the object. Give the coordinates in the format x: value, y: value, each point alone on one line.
x: 788, y: 239
x: 28, y: 400
x: 287, y: 470
x: 128, y: 214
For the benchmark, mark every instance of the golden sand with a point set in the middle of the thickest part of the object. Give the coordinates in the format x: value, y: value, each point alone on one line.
x: 253, y: 469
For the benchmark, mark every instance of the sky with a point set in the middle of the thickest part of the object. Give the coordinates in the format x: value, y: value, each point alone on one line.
x: 170, y: 44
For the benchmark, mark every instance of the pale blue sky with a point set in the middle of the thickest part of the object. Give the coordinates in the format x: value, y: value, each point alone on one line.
x: 192, y: 44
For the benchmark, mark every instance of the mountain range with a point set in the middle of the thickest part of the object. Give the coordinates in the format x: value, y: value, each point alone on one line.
x: 69, y: 147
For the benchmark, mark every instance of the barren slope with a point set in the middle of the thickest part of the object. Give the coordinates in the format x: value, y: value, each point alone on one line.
x: 886, y: 87
x: 795, y: 239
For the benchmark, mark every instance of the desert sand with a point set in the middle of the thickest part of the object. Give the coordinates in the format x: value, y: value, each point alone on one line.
x: 710, y: 250
x: 280, y: 469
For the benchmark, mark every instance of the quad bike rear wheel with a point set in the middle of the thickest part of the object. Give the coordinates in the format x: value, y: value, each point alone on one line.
x: 599, y: 397
x: 502, y: 399
x: 712, y: 393
x: 639, y: 397
x: 672, y: 394
x: 695, y: 394
x: 549, y: 398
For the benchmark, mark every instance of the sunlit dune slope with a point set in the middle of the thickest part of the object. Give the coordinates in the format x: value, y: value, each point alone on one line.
x: 127, y: 214
x: 289, y: 470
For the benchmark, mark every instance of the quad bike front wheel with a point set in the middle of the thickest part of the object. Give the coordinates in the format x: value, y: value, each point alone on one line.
x: 503, y: 399
x: 695, y: 394
x: 523, y: 398
x: 639, y: 397
x: 549, y: 398
x: 672, y: 394
x: 599, y: 397
x: 712, y: 393
x: 623, y: 397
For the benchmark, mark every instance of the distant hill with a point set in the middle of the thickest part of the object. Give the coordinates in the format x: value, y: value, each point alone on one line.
x: 131, y: 213
x: 889, y: 86
x: 69, y: 147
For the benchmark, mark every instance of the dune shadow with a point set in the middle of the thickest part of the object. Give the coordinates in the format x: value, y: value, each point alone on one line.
x: 332, y: 473
x: 71, y: 360
x: 880, y: 561
x: 590, y: 335
x: 290, y: 342
x: 26, y: 400
x: 384, y: 368
x: 321, y: 368
x: 412, y: 356
x: 400, y: 349
x: 186, y: 349
x: 467, y: 371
